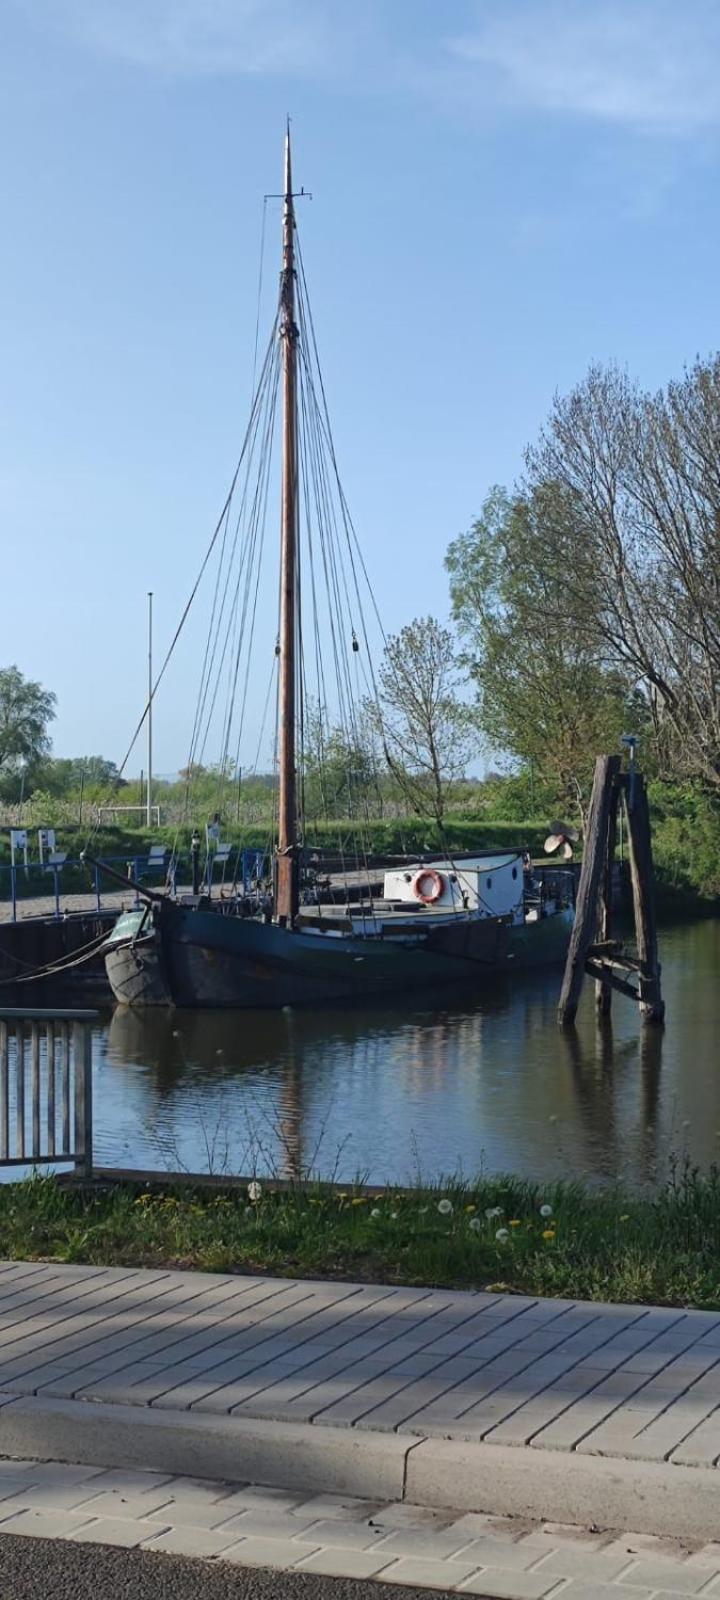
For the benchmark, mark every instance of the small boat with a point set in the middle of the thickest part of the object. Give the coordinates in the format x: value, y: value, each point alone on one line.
x: 435, y: 922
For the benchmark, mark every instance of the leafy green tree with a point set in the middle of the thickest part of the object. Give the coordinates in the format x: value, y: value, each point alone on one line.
x: 422, y: 720
x: 546, y: 694
x: 26, y: 709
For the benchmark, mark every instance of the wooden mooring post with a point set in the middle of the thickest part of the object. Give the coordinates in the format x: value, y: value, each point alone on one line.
x: 592, y: 947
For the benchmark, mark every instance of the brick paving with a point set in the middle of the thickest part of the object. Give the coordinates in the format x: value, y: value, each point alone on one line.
x: 626, y: 1381
x: 346, y: 1537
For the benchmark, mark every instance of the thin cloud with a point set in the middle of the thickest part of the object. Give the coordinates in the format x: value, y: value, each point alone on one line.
x: 647, y: 64
x: 199, y: 38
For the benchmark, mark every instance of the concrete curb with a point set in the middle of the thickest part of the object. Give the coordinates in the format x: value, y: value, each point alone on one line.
x: 557, y: 1486
x: 634, y: 1496
x: 279, y: 1454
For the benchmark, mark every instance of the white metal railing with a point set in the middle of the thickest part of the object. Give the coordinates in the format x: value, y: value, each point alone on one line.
x: 46, y: 1088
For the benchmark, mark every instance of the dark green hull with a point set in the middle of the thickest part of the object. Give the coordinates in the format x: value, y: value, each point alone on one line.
x: 193, y: 957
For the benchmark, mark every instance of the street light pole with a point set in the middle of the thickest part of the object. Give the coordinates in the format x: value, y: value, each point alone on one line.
x: 148, y: 812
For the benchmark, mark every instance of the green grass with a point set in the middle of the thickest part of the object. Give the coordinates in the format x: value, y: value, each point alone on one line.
x: 661, y: 1249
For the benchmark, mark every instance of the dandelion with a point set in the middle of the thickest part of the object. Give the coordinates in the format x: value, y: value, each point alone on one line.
x: 176, y: 1033
x: 359, y: 1200
x: 445, y: 1208
x: 469, y: 1210
x: 254, y: 1191
x: 546, y: 1211
x: 548, y: 1233
x: 495, y: 1211
x: 393, y: 1216
x: 475, y: 1224
x: 515, y: 1223
x: 625, y: 1217
x: 375, y: 1213
x: 502, y: 1235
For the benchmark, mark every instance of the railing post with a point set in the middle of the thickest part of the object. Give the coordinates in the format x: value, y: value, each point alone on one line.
x: 4, y: 1093
x: 97, y: 888
x: 13, y: 888
x: 50, y: 1052
x: 56, y: 877
x: 20, y: 1102
x: 35, y: 1086
x: 82, y: 1051
x: 65, y: 1084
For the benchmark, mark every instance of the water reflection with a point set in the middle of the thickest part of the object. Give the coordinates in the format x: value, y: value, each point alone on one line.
x: 423, y: 1087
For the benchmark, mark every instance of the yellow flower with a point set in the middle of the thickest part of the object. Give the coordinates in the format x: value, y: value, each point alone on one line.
x: 360, y: 1200
x: 469, y: 1210
x: 143, y: 1200
x: 625, y: 1217
x: 549, y: 1233
x: 515, y: 1223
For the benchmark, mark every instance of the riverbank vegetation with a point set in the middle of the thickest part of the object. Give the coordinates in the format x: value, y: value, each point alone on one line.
x: 585, y: 603
x: 500, y: 1234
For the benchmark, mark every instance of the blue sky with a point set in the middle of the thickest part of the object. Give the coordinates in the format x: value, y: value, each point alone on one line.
x: 503, y: 192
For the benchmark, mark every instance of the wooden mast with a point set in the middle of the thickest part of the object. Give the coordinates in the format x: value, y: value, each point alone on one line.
x: 286, y: 877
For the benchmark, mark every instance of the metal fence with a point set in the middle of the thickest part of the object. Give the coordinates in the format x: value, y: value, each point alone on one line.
x: 20, y: 885
x: 46, y: 1088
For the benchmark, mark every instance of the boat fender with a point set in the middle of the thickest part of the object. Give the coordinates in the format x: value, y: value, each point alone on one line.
x: 428, y: 876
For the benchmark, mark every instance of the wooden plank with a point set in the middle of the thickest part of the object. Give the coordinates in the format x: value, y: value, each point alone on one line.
x: 585, y: 926
x: 641, y: 875
x: 606, y: 976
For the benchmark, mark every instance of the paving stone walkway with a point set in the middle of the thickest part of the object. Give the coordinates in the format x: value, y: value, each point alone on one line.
x: 501, y: 1558
x: 627, y: 1381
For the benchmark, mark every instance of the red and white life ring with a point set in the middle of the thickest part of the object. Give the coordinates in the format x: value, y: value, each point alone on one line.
x: 436, y: 881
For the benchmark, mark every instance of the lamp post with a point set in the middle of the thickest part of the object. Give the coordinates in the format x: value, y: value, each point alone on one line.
x: 148, y: 795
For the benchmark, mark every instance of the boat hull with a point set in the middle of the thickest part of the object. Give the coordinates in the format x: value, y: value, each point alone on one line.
x: 192, y: 957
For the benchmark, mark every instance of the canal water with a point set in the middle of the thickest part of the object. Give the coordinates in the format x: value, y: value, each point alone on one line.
x: 426, y: 1086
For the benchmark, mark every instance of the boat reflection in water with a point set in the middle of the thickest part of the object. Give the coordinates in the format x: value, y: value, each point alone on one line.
x: 391, y: 1093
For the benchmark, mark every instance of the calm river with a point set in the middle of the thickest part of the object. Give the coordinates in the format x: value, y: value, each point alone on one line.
x: 424, y: 1086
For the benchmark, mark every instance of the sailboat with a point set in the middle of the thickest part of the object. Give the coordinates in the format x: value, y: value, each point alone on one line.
x: 435, y: 922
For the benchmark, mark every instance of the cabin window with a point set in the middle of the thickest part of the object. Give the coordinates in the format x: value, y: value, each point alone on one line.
x: 514, y: 872
x: 489, y: 883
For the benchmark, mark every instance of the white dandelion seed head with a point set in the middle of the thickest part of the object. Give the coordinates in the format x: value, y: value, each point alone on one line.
x: 494, y: 1211
x: 254, y: 1190
x: 546, y: 1211
x: 475, y: 1224
x: 502, y: 1234
x: 445, y: 1208
x: 376, y: 1212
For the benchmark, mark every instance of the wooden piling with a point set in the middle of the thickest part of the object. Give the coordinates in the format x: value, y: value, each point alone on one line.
x: 584, y: 931
x: 603, y: 988
x: 641, y: 873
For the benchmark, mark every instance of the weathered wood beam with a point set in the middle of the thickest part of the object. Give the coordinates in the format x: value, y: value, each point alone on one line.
x: 608, y: 977
x: 603, y: 989
x: 585, y: 926
x: 641, y: 874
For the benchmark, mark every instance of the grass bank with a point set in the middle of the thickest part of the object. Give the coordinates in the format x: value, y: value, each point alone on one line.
x: 500, y: 1234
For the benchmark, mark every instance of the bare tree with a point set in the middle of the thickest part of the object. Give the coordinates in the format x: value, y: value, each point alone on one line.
x: 640, y: 478
x: 424, y: 725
